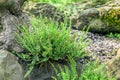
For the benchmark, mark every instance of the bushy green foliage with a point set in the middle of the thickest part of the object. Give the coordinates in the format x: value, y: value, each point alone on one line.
x: 91, y: 71
x: 68, y: 73
x: 49, y: 40
x: 114, y: 35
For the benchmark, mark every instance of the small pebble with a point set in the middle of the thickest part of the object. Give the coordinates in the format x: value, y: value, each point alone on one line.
x: 100, y: 44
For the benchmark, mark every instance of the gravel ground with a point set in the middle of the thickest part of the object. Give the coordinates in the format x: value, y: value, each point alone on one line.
x: 100, y: 47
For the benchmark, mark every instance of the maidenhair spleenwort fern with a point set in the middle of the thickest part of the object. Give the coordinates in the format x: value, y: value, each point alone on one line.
x: 48, y: 40
x: 66, y: 72
x: 90, y: 71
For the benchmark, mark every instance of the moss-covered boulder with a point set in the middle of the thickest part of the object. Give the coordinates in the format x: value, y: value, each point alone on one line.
x: 104, y: 18
x: 44, y: 9
x: 100, y: 16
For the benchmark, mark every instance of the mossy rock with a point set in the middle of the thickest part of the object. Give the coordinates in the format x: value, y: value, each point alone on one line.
x: 111, y: 15
x: 102, y: 19
x: 97, y: 25
x: 44, y: 9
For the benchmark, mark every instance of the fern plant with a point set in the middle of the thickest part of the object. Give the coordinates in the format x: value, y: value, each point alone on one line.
x: 48, y: 40
x: 66, y: 73
x: 114, y: 35
x: 93, y: 71
x: 90, y: 71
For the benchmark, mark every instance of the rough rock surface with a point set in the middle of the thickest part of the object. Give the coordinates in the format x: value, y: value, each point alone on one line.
x: 45, y: 71
x: 10, y: 69
x: 99, y: 18
x: 114, y: 66
x: 7, y: 36
x: 44, y: 9
x: 11, y: 16
x: 14, y: 6
x: 100, y: 47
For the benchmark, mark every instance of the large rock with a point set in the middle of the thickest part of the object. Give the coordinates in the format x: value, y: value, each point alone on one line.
x: 100, y: 18
x: 8, y: 28
x: 14, y: 6
x: 7, y: 36
x: 10, y: 69
x: 44, y: 9
x: 11, y: 16
x: 45, y: 71
x: 84, y: 18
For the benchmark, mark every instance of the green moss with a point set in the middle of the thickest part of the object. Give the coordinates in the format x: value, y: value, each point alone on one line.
x: 111, y: 16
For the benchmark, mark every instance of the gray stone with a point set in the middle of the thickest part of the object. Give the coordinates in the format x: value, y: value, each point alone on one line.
x: 46, y: 10
x: 10, y: 69
x: 82, y: 16
x: 45, y: 70
x: 7, y: 37
x: 11, y: 16
x: 97, y: 25
x: 103, y: 19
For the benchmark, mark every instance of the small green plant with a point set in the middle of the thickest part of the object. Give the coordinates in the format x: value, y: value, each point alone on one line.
x: 93, y: 71
x: 66, y: 73
x: 114, y: 35
x: 90, y: 71
x: 49, y: 40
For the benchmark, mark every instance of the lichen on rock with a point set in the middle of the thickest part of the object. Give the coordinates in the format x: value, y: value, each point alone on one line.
x: 114, y: 66
x: 44, y: 9
x: 111, y: 15
x: 105, y: 15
